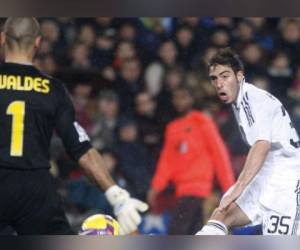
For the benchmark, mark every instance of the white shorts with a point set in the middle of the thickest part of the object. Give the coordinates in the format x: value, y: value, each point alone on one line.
x: 273, y: 202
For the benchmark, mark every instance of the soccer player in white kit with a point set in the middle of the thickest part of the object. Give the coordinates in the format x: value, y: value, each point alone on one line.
x: 267, y: 190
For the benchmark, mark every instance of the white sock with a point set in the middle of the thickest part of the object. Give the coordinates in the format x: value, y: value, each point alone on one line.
x: 213, y: 227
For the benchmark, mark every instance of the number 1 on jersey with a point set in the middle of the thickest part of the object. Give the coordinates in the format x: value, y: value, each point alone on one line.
x: 17, y: 110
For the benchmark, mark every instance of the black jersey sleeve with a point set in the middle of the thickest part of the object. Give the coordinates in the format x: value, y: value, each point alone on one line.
x: 75, y: 139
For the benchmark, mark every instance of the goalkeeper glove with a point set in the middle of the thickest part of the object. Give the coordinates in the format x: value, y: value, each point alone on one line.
x: 125, y: 208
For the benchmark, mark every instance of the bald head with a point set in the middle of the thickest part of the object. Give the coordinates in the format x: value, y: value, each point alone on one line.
x: 21, y: 32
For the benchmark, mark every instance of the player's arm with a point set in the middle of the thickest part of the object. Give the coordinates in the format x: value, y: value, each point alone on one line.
x: 92, y: 164
x: 255, y: 159
x: 162, y: 174
x: 253, y: 164
x: 263, y: 110
x: 77, y: 144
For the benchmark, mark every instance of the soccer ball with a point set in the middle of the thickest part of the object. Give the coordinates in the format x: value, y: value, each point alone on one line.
x: 99, y: 224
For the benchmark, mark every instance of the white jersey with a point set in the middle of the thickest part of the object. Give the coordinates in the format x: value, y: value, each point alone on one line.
x: 261, y: 116
x: 272, y: 198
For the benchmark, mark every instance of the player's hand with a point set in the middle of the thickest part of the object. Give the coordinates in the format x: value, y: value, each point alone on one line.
x: 125, y: 208
x: 230, y: 197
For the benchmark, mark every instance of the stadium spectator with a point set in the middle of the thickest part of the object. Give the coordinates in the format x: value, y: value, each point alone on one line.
x: 173, y: 78
x: 125, y: 51
x: 280, y: 74
x: 149, y: 125
x: 154, y: 73
x: 187, y: 46
x: 290, y: 38
x: 129, y: 84
x: 220, y: 38
x: 87, y: 35
x: 80, y: 57
x: 134, y: 159
x: 103, y: 133
x: 81, y: 93
x: 252, y: 55
x: 193, y: 153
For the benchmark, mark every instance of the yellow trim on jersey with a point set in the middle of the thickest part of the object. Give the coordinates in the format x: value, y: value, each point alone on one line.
x: 25, y: 83
x: 17, y: 110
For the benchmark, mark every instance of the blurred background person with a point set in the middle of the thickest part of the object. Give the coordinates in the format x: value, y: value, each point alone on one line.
x: 105, y: 121
x: 133, y: 158
x: 129, y: 84
x: 192, y: 155
x: 149, y: 126
x: 154, y: 72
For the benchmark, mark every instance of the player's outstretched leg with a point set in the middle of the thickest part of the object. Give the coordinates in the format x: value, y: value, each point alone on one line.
x: 220, y: 222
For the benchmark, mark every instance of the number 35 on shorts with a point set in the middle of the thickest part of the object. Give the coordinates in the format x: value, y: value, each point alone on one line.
x: 278, y: 225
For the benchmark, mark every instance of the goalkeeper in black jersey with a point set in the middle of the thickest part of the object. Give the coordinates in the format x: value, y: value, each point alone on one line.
x: 32, y: 105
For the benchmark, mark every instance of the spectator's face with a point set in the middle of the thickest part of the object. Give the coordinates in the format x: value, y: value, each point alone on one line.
x: 168, y: 53
x: 184, y: 37
x: 125, y: 51
x: 208, y: 54
x: 108, y: 107
x: 50, y: 31
x: 291, y: 32
x: 49, y: 65
x: 128, y: 133
x: 144, y: 104
x: 81, y: 94
x: 127, y: 32
x: 80, y: 53
x: 87, y: 35
x: 220, y: 38
x: 281, y: 62
x: 245, y: 31
x: 82, y: 90
x: 252, y: 54
x: 182, y: 101
x: 109, y: 73
x: 173, y: 79
x: 104, y: 43
x: 130, y: 71
x: 226, y: 82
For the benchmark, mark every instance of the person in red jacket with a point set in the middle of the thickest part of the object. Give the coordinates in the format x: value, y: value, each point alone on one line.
x: 192, y: 155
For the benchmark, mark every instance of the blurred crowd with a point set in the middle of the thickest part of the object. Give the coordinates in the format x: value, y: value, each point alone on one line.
x: 121, y: 73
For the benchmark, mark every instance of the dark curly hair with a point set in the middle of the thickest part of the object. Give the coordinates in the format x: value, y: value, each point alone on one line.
x: 226, y: 56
